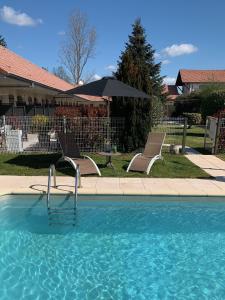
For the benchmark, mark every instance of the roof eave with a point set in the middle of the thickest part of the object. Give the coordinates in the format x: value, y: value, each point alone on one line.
x: 32, y: 82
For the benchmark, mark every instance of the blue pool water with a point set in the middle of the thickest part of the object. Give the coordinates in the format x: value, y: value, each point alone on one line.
x: 120, y: 248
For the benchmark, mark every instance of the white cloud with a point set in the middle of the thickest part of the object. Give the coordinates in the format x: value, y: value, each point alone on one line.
x: 11, y: 16
x: 96, y: 77
x: 61, y: 32
x: 110, y: 68
x: 177, y: 50
x: 157, y: 55
x: 166, y: 62
x: 169, y: 80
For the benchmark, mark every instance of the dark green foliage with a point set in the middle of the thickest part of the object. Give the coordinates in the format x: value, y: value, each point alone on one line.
x: 193, y: 118
x: 212, y: 103
x: 137, y: 68
x: 188, y: 105
x: 192, y: 95
x: 2, y: 41
x: 157, y: 110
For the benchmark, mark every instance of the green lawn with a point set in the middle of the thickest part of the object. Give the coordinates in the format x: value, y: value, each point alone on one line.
x: 173, y: 166
x: 221, y: 156
x: 194, y: 137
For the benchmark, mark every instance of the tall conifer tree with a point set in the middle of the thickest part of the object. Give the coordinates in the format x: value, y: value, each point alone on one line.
x: 137, y: 68
x: 2, y: 41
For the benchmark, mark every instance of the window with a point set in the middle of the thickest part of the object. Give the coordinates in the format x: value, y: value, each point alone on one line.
x: 30, y: 100
x: 11, y: 99
x: 20, y: 101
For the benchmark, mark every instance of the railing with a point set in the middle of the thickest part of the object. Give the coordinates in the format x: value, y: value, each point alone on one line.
x: 77, y: 183
x: 51, y: 173
x: 25, y: 134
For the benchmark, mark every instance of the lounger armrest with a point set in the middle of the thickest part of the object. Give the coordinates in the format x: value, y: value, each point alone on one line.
x: 94, y: 163
x: 71, y: 161
x: 135, y: 156
x: 156, y: 157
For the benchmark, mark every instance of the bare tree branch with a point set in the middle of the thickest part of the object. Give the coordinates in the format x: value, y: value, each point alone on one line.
x: 79, y: 45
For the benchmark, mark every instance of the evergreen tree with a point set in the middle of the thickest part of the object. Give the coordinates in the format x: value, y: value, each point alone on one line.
x: 137, y: 68
x: 2, y: 41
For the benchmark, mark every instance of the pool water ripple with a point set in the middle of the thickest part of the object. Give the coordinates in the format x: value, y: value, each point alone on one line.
x: 137, y: 249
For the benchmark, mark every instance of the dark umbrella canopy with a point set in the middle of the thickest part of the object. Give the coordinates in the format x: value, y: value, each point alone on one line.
x: 110, y: 87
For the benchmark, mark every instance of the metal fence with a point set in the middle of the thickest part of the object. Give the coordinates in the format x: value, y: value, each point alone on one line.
x: 40, y: 133
x: 175, y: 129
x: 215, y: 134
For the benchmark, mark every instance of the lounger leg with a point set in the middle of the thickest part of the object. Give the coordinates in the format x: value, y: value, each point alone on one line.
x: 109, y: 162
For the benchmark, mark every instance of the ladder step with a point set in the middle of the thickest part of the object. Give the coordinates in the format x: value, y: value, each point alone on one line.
x: 60, y: 223
x: 61, y: 209
x: 60, y: 216
x: 62, y: 212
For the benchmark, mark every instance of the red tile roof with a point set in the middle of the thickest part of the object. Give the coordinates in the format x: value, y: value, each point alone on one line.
x: 13, y: 64
x: 171, y: 91
x: 200, y: 76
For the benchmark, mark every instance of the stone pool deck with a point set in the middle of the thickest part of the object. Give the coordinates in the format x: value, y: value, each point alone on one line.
x: 129, y: 186
x: 98, y: 185
x: 211, y: 164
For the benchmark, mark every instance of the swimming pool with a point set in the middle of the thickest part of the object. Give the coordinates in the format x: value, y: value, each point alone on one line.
x: 120, y: 248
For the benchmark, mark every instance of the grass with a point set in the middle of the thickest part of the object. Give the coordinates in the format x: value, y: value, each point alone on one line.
x: 194, y: 137
x: 173, y: 166
x: 221, y: 156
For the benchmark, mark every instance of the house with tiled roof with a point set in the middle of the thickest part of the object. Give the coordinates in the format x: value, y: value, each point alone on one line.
x: 171, y: 92
x: 193, y: 80
x: 23, y: 83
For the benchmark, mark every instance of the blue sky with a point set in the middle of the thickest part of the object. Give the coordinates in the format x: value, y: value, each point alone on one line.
x: 185, y: 34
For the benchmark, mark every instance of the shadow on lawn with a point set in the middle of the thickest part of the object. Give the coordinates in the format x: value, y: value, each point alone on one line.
x: 35, y: 161
x: 41, y: 161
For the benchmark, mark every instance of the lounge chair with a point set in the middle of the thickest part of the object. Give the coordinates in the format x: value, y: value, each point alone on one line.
x: 142, y: 162
x: 71, y: 153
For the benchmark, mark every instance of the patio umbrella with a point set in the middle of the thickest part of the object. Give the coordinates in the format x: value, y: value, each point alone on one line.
x: 108, y: 87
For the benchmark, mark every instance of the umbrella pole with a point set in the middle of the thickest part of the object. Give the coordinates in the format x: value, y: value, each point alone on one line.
x: 108, y: 121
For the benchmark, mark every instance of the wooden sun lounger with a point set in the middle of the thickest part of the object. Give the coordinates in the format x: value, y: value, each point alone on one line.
x: 71, y: 153
x: 142, y: 162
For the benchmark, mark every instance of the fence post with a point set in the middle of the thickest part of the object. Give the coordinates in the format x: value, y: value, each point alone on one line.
x: 3, y: 118
x: 184, y: 135
x: 217, y: 136
x: 206, y: 130
x: 64, y: 124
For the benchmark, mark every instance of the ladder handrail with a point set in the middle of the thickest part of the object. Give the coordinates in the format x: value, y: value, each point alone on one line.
x: 77, y: 183
x: 52, y: 172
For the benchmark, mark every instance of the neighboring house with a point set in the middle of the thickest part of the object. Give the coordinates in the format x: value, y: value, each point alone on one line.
x: 171, y: 92
x: 193, y: 80
x: 23, y: 83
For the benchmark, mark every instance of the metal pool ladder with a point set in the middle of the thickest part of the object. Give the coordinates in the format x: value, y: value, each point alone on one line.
x: 59, y: 215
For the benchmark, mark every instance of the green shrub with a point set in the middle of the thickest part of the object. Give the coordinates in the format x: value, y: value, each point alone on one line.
x: 212, y: 103
x: 190, y: 96
x: 39, y: 122
x: 193, y: 118
x: 157, y: 110
x: 188, y: 105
